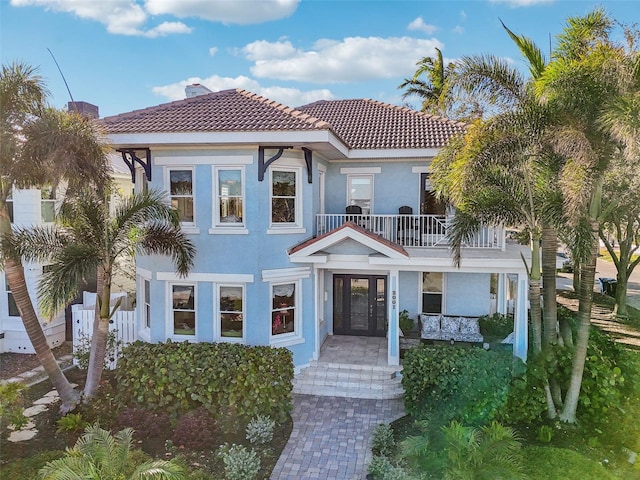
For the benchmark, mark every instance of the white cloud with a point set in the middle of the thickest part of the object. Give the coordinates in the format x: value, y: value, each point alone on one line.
x: 418, y: 24
x: 288, y: 96
x: 243, y: 12
x: 167, y: 28
x: 522, y: 3
x: 463, y: 15
x: 458, y: 29
x: 213, y: 51
x: 329, y: 61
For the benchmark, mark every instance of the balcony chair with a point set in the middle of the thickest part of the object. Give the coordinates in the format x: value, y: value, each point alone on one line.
x: 407, y: 227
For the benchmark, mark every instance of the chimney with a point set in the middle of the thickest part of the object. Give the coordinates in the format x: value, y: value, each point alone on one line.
x: 84, y: 108
x: 196, y: 89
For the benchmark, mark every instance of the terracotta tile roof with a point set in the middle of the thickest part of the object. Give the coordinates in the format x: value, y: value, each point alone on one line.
x: 226, y: 110
x: 369, y: 124
x: 353, y: 226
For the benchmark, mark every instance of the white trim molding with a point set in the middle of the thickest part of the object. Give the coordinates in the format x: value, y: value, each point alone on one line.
x: 206, y: 277
x: 144, y: 273
x: 204, y: 160
x: 360, y: 170
x: 284, y: 274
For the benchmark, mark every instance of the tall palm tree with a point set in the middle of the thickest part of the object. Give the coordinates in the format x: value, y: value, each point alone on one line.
x: 87, y: 239
x: 579, y: 83
x: 99, y: 455
x: 40, y: 146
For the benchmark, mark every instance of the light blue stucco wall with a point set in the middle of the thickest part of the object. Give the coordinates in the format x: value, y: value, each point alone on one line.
x: 467, y: 294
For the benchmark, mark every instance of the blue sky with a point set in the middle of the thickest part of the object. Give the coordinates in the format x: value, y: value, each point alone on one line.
x: 124, y: 55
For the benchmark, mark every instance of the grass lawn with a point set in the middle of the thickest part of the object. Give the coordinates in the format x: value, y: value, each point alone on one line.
x: 604, y: 255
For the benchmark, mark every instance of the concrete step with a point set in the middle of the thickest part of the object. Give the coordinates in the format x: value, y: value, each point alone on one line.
x: 352, y: 392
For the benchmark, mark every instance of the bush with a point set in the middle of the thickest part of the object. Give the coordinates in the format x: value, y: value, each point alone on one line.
x: 71, y: 422
x: 260, y: 430
x: 239, y: 463
x: 382, y: 442
x: 406, y: 322
x: 145, y: 424
x: 178, y: 377
x: 12, y: 404
x: 543, y: 463
x: 28, y: 468
x: 496, y: 325
x: 381, y: 468
x: 82, y: 349
x: 473, y: 382
x: 195, y: 430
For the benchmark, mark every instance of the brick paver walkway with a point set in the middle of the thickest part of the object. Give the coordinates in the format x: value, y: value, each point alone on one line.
x: 330, y: 437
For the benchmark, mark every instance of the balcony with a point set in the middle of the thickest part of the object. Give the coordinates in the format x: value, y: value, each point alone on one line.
x: 420, y: 231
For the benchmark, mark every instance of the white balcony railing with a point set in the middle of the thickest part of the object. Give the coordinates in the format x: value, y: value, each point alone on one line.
x: 412, y: 230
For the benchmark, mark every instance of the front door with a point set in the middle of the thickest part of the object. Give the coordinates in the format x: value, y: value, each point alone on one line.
x: 360, y: 305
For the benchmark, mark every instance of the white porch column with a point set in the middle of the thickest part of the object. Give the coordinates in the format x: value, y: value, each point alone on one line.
x: 520, y: 327
x: 393, y: 340
x: 501, y: 297
x: 317, y: 295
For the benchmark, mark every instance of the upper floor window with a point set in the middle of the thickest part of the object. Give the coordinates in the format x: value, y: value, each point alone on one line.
x: 181, y: 193
x: 231, y: 311
x: 183, y: 309
x: 286, y: 209
x: 9, y: 203
x: 360, y: 192
x: 432, y: 292
x: 229, y: 210
x: 146, y: 313
x: 48, y: 203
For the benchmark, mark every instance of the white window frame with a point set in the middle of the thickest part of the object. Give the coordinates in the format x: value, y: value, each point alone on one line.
x: 10, y: 205
x: 295, y: 226
x: 442, y: 293
x: 219, y: 227
x: 217, y: 327
x: 350, y: 177
x: 188, y: 227
x: 9, y: 295
x: 48, y: 201
x: 146, y: 305
x: 294, y: 337
x: 170, y: 310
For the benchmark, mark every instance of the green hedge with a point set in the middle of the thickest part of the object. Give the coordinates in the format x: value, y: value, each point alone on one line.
x: 224, y: 378
x: 471, y: 383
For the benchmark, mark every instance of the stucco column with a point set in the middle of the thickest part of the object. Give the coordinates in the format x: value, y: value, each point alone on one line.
x: 501, y: 295
x: 393, y: 330
x: 317, y: 295
x: 520, y: 327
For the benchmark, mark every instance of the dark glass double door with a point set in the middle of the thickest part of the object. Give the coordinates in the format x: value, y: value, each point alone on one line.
x: 360, y: 305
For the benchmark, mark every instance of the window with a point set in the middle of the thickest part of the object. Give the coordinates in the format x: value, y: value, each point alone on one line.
x: 360, y: 192
x: 285, y: 210
x: 9, y: 203
x: 283, y: 309
x: 181, y: 193
x: 432, y: 292
x: 183, y: 309
x: 146, y: 305
x: 231, y: 311
x: 11, y: 302
x: 48, y: 204
x: 229, y: 197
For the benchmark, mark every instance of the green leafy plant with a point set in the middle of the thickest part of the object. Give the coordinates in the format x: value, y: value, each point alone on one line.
x: 383, y: 443
x: 260, y: 430
x: 222, y: 377
x: 492, y: 452
x: 239, y: 463
x: 99, y: 454
x: 406, y: 322
x: 542, y: 463
x: 545, y: 433
x: 71, y: 422
x: 381, y: 468
x: 82, y: 349
x: 496, y: 325
x: 12, y: 404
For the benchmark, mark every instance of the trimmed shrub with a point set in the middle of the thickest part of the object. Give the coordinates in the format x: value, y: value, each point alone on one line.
x: 473, y: 382
x: 406, y: 322
x: 179, y: 377
x: 260, y: 430
x: 239, y: 463
x: 496, y: 325
x: 382, y: 441
x: 145, y: 424
x: 195, y: 430
x: 381, y: 468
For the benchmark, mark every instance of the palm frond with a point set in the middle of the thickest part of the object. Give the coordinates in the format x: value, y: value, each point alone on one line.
x: 163, y: 239
x: 530, y: 51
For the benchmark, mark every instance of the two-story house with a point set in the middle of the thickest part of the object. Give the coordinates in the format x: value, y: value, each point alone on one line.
x: 308, y: 222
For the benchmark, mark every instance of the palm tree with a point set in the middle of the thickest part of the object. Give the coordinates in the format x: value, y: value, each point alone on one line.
x: 579, y: 83
x: 99, y: 455
x: 40, y: 146
x: 89, y: 239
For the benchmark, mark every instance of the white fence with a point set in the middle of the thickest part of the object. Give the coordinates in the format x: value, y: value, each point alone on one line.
x: 122, y: 324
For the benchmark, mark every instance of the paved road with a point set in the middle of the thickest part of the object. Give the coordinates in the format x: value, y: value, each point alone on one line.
x: 608, y: 270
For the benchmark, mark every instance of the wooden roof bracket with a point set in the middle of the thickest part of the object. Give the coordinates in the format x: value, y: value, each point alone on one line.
x: 264, y: 164
x: 132, y: 159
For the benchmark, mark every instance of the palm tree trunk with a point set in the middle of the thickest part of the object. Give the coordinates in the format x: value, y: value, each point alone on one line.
x: 587, y: 278
x: 550, y: 316
x: 14, y: 273
x: 534, y: 295
x: 100, y: 334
